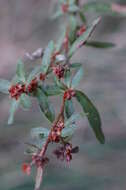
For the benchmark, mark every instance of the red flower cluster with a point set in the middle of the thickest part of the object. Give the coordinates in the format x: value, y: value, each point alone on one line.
x: 56, y: 132
x: 42, y: 77
x: 33, y: 85
x: 69, y: 94
x: 65, y: 8
x: 16, y: 90
x: 81, y: 30
x: 64, y: 152
x: 59, y: 71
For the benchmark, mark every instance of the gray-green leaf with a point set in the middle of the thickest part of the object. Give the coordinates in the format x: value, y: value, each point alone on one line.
x: 83, y: 38
x: 4, y: 86
x: 92, y: 115
x: 69, y: 109
x: 45, y: 105
x: 97, y: 44
x: 51, y: 90
x: 68, y: 131
x: 39, y: 131
x: 20, y: 71
x: 46, y: 60
x: 72, y: 119
x: 13, y: 108
x: 78, y: 76
x: 25, y: 101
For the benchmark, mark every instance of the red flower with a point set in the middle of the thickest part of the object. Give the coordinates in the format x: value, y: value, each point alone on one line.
x: 42, y: 77
x: 65, y: 8
x: 81, y: 30
x: 26, y: 168
x: 64, y: 152
x: 33, y: 85
x: 56, y: 132
x: 59, y: 71
x: 69, y: 94
x: 16, y: 90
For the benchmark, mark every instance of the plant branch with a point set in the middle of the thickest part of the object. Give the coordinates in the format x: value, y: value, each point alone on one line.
x: 44, y: 148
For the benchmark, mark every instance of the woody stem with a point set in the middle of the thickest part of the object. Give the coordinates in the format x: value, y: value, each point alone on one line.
x: 44, y: 148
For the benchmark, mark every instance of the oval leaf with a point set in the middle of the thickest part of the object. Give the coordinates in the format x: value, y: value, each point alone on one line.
x: 20, y: 71
x: 76, y: 79
x: 25, y: 101
x: 51, y: 90
x: 39, y: 131
x: 69, y: 109
x: 83, y: 38
x: 72, y: 119
x: 45, y: 105
x: 46, y: 60
x: 4, y: 86
x: 97, y: 44
x: 13, y: 108
x: 92, y: 115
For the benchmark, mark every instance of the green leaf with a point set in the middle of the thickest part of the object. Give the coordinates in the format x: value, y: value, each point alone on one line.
x: 4, y: 86
x: 83, y: 38
x: 34, y: 73
x: 107, y: 8
x: 97, y: 44
x: 68, y: 131
x: 61, y: 39
x: 20, y: 71
x: 97, y: 7
x: 73, y: 28
x: 13, y: 108
x: 46, y: 60
x: 57, y: 14
x: 51, y: 90
x: 73, y: 8
x: 25, y: 101
x: 72, y: 119
x: 69, y: 109
x: 45, y: 105
x: 92, y: 115
x: 75, y: 65
x: 67, y: 78
x: 59, y: 84
x: 82, y: 17
x: 39, y: 132
x: 76, y: 79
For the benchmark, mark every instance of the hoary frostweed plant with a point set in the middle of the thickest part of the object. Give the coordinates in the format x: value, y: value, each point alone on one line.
x: 57, y: 64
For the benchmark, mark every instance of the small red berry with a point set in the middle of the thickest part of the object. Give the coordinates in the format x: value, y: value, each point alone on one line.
x: 16, y: 90
x: 65, y: 8
x: 42, y: 77
x: 26, y: 168
x: 33, y: 85
x: 59, y: 71
x: 69, y: 94
x: 56, y: 132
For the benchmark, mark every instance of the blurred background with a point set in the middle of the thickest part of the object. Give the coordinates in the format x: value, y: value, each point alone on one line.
x: 26, y: 26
